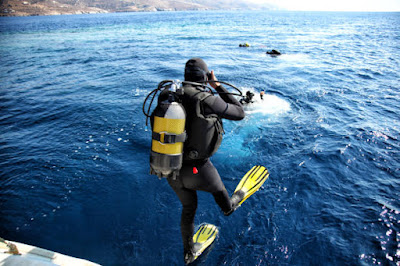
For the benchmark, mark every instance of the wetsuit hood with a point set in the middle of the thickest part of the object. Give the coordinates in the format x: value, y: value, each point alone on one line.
x: 196, y: 70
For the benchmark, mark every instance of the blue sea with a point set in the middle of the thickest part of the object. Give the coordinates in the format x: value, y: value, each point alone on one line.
x: 74, y: 147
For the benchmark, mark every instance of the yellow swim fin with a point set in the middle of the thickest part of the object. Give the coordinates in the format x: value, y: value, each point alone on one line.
x: 250, y: 183
x: 202, y: 239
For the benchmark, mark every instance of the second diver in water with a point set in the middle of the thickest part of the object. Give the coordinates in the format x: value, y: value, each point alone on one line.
x: 248, y: 98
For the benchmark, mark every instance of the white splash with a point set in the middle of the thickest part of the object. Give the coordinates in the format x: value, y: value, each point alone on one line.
x: 269, y: 105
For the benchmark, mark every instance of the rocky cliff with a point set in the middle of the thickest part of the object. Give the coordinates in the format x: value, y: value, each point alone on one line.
x: 58, y: 7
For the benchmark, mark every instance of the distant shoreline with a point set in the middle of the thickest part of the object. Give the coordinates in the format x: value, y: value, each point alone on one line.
x: 16, y: 8
x: 53, y: 12
x: 90, y: 11
x: 13, y: 8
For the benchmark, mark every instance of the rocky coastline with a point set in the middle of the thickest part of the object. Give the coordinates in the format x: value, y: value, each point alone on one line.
x: 69, y: 7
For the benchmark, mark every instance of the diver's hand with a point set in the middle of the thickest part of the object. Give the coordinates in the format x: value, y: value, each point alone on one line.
x: 212, y: 77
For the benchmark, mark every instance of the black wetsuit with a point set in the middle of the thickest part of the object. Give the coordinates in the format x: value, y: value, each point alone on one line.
x: 205, y: 176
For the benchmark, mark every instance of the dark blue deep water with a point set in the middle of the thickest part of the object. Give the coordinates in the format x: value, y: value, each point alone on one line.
x: 74, y: 148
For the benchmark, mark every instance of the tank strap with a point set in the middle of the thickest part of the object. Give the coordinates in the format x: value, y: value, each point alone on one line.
x: 169, y: 138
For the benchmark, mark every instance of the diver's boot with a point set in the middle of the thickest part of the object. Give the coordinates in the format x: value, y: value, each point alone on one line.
x: 235, y: 199
x: 189, y: 256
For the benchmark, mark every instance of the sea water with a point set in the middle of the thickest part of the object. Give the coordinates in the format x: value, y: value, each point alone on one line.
x: 74, y: 149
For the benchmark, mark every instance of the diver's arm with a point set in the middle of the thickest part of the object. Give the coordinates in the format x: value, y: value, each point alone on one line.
x: 225, y: 95
x: 225, y: 106
x: 216, y: 105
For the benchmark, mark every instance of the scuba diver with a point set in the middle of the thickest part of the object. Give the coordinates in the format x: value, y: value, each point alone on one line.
x: 198, y: 172
x: 248, y: 98
x: 200, y: 137
x: 262, y: 95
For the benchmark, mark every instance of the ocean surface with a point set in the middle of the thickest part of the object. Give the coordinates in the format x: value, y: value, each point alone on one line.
x: 74, y: 148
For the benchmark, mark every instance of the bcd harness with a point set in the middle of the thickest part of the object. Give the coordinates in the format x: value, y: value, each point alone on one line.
x: 204, y: 131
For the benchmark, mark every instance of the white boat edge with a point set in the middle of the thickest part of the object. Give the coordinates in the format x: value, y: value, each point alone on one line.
x: 28, y: 255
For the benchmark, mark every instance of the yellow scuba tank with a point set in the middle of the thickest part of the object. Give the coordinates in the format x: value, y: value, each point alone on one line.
x: 168, y: 136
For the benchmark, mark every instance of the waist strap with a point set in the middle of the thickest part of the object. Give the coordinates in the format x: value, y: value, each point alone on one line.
x: 169, y: 138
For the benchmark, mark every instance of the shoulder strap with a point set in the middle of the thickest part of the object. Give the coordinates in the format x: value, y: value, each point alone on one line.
x: 198, y: 96
x: 194, y: 92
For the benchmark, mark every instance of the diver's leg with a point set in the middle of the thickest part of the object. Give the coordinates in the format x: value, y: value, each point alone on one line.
x: 223, y: 200
x: 208, y: 179
x: 227, y: 204
x: 188, y: 199
x: 217, y: 187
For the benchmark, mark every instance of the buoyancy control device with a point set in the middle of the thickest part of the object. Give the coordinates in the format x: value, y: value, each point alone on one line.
x: 204, y: 132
